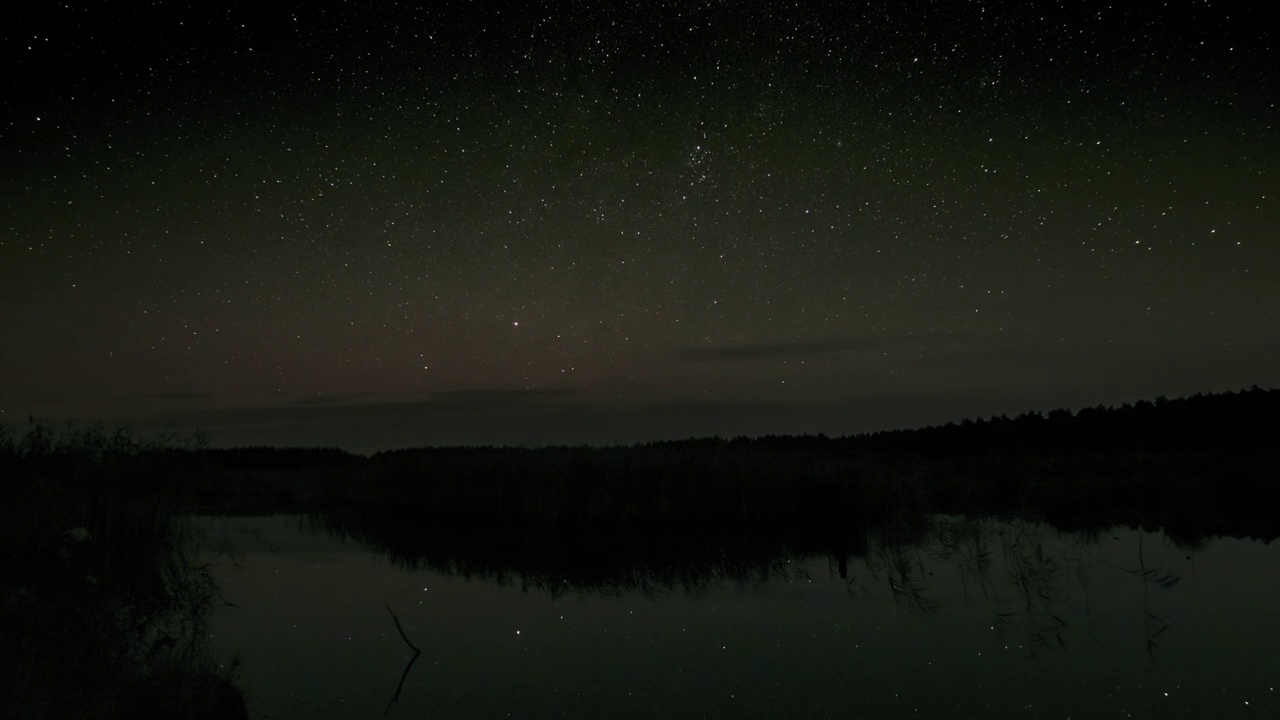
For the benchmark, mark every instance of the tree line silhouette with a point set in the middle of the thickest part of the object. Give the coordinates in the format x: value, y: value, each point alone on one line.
x: 1248, y: 420
x: 1201, y: 459
x: 1245, y: 420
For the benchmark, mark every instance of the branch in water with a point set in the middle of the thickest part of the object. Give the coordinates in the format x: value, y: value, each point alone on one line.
x: 402, y: 635
x: 405, y: 674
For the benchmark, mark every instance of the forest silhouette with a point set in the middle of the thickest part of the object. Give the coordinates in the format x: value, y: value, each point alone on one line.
x: 1205, y: 460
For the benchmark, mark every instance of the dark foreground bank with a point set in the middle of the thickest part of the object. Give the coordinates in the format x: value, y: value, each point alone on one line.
x: 104, y: 591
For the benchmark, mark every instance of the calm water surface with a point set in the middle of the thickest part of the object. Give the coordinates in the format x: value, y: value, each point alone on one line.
x: 974, y: 619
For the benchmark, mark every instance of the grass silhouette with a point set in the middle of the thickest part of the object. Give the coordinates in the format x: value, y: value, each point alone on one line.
x: 103, y: 590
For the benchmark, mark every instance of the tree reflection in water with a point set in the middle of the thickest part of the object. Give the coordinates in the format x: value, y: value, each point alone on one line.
x: 1032, y: 575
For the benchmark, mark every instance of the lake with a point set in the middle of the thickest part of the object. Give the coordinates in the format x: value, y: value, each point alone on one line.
x: 950, y: 618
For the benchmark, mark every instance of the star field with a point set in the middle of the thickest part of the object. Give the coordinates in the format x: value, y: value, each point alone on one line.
x: 373, y: 226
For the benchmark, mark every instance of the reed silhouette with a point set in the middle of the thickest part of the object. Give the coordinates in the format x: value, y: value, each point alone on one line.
x: 105, y: 590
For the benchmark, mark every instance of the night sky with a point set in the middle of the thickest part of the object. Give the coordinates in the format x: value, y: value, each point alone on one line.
x: 371, y: 225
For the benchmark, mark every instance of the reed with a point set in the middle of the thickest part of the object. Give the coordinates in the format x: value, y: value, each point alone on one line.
x: 104, y: 589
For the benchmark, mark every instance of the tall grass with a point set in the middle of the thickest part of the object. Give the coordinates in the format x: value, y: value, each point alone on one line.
x: 103, y: 595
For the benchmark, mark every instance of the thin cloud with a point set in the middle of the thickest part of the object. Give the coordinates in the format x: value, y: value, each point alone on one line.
x: 324, y: 399
x: 490, y: 395
x: 164, y: 396
x: 323, y: 408
x: 488, y: 400
x: 811, y: 348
